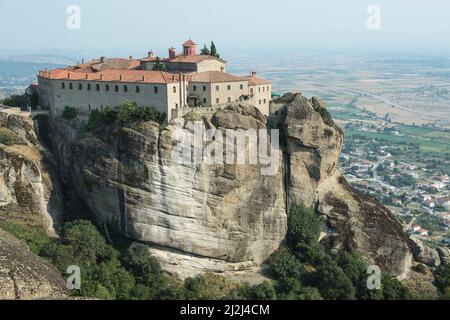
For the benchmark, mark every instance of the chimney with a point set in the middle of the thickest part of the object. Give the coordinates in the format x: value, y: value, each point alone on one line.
x: 68, y: 75
x: 253, y: 73
x: 131, y: 57
x: 102, y: 59
x: 151, y: 54
x: 143, y: 78
x: 87, y: 76
x: 121, y: 77
x: 101, y: 77
x: 172, y: 53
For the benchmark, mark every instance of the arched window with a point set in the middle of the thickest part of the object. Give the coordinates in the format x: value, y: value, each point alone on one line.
x: 125, y: 88
x: 195, y: 88
x: 242, y: 87
x: 107, y: 87
x: 138, y: 89
x: 116, y: 88
x: 63, y: 85
x: 251, y: 90
x: 229, y: 87
x: 174, y: 89
x: 70, y: 86
x: 155, y: 89
x: 204, y: 88
x: 97, y: 87
x: 89, y: 88
x: 80, y: 86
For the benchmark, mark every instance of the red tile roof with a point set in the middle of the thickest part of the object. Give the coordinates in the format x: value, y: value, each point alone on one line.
x: 191, y: 59
x: 131, y: 76
x: 110, y: 63
x: 255, y: 81
x: 189, y: 43
x: 216, y: 76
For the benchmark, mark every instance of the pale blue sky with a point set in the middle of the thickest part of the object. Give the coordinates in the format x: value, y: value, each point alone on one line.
x: 137, y: 25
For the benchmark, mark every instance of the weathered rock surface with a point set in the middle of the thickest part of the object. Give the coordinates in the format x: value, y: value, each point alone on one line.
x: 226, y: 212
x: 29, y: 188
x: 424, y: 253
x: 25, y: 276
x: 444, y: 254
x: 230, y: 215
x: 354, y: 222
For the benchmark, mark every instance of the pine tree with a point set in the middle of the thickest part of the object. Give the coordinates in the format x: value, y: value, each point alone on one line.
x: 214, y: 52
x: 158, y: 65
x: 205, y: 51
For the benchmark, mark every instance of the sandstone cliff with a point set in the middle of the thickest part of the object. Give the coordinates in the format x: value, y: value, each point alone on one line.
x: 225, y: 218
x: 29, y: 187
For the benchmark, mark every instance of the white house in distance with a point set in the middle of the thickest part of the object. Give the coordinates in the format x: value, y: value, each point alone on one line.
x: 189, y: 80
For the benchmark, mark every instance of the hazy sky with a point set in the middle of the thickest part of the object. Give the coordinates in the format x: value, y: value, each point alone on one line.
x: 134, y: 25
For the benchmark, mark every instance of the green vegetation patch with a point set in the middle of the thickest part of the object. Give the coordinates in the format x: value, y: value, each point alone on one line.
x: 9, y: 137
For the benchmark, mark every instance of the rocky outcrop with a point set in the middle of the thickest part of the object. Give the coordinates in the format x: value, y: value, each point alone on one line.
x: 230, y: 213
x: 25, y: 276
x: 29, y: 188
x: 226, y: 217
x: 424, y: 253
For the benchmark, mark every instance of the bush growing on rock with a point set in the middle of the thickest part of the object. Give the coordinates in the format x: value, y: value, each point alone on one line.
x: 304, y: 225
x: 69, y: 113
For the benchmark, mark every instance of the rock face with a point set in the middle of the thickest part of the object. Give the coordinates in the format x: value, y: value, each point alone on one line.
x: 29, y: 189
x: 425, y: 254
x: 24, y: 275
x: 226, y: 217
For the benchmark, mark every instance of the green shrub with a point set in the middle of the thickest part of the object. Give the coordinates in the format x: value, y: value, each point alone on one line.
x: 284, y: 265
x: 12, y: 101
x: 34, y: 237
x: 69, y: 113
x: 442, y: 276
x: 304, y: 225
x: 126, y: 113
x: 394, y: 289
x: 9, y: 138
x: 333, y: 283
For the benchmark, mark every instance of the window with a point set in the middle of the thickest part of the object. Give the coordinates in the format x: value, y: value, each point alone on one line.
x: 138, y: 89
x: 251, y: 90
x: 176, y: 105
x: 229, y: 87
x: 204, y: 100
x: 174, y: 89
x: 195, y: 88
x: 97, y: 87
x: 242, y: 87
x: 80, y: 86
x: 217, y: 100
x: 107, y: 87
x: 264, y: 89
x: 63, y: 85
x: 264, y: 100
x: 204, y: 88
x: 89, y: 107
x: 268, y: 88
x: 89, y: 88
x: 155, y: 89
x: 125, y: 88
x: 259, y: 101
x: 259, y: 89
x: 217, y: 88
x: 229, y: 99
x: 116, y: 88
